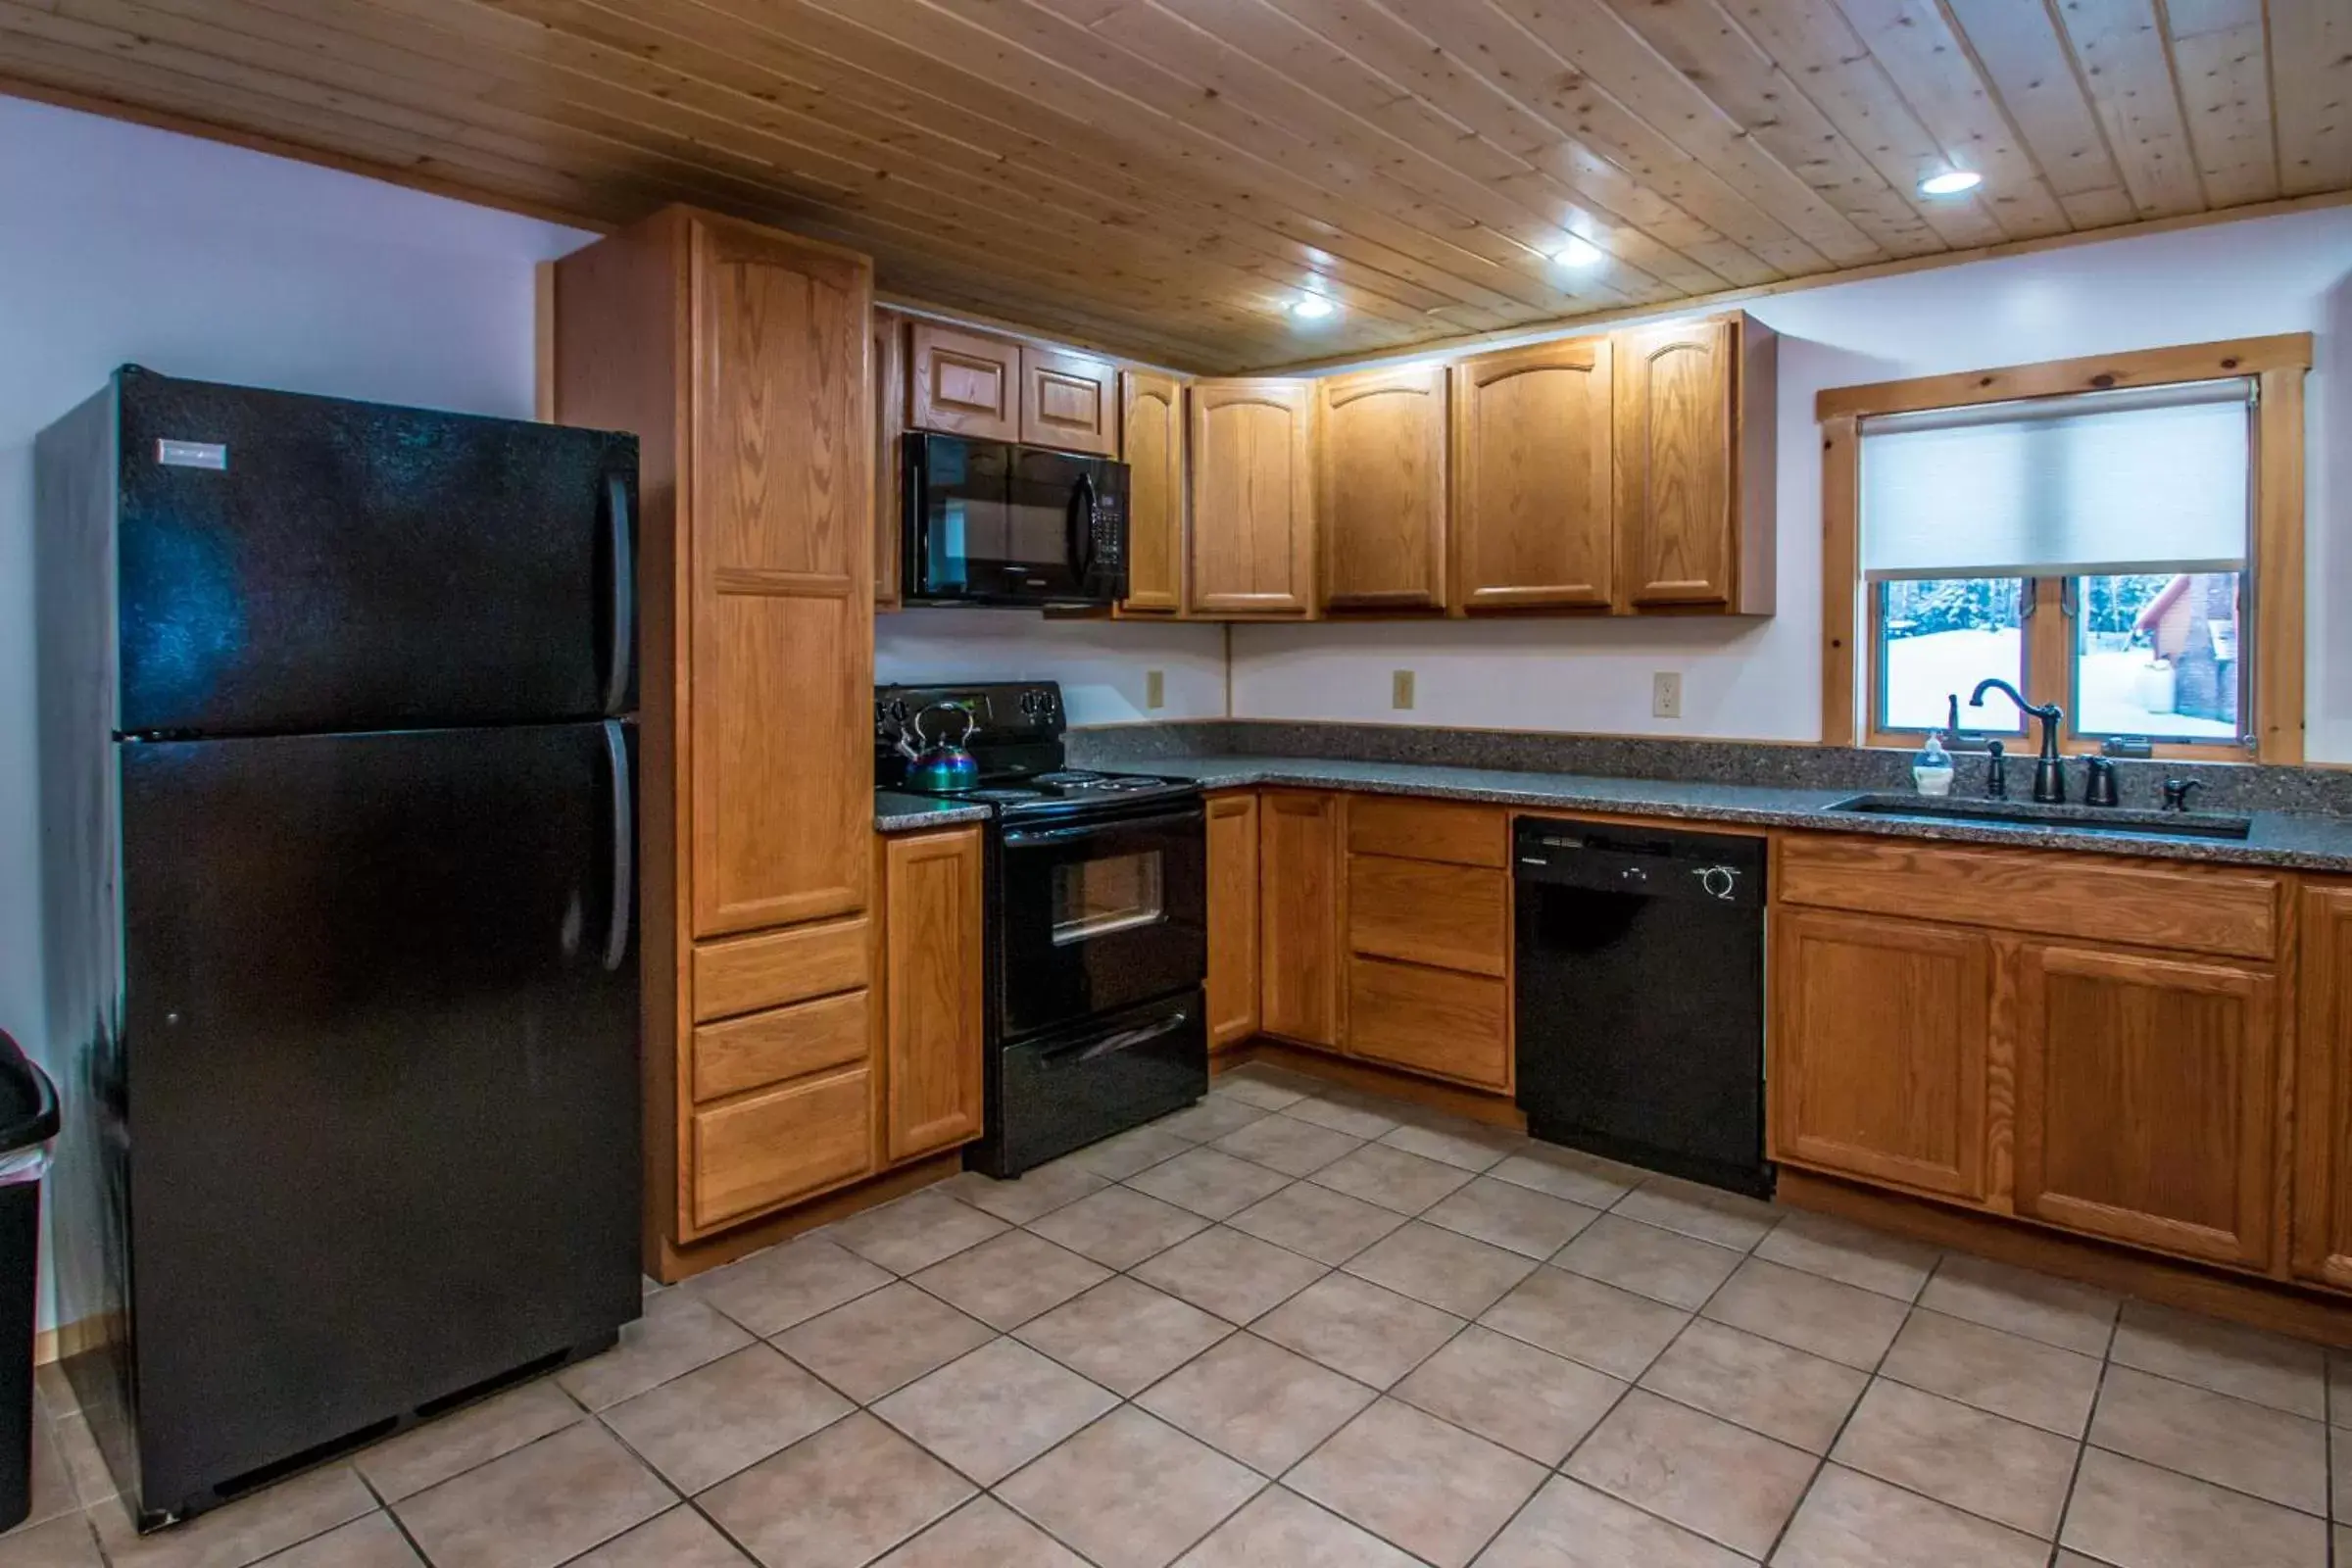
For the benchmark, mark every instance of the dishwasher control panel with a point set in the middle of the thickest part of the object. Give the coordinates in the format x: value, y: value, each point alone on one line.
x: 1714, y: 867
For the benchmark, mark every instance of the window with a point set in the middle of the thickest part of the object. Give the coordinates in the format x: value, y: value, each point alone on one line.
x: 2107, y: 548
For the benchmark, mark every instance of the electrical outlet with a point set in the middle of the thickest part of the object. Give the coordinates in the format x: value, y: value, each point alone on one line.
x: 1155, y: 688
x: 1665, y: 695
x: 1400, y: 689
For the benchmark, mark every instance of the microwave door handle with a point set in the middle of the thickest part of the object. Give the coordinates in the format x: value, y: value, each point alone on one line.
x: 1081, y: 526
x: 1124, y: 1040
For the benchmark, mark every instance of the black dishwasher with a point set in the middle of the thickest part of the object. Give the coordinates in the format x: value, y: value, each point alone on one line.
x: 1641, y: 997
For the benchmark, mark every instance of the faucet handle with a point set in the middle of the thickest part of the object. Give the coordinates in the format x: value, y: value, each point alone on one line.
x: 2176, y: 791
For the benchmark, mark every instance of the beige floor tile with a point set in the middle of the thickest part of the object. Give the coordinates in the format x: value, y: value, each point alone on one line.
x: 983, y: 1532
x: 1821, y: 1244
x: 1709, y: 1213
x: 1131, y: 1490
x: 1235, y: 1276
x: 1325, y: 1225
x: 1029, y: 1195
x: 882, y: 1341
x: 1268, y: 1088
x: 52, y: 1494
x: 1843, y: 1322
x: 536, y: 1506
x: 1288, y: 1145
x: 1411, y: 1479
x: 1529, y: 1400
x: 2232, y: 1443
x: 64, y: 1541
x: 1343, y: 1110
x: 678, y: 1539
x: 1569, y: 1173
x: 1371, y: 1334
x: 1447, y: 1270
x: 2136, y: 1516
x: 836, y: 1499
x: 1279, y: 1527
x: 1123, y: 1334
x: 996, y: 1409
x: 2225, y: 1357
x: 1521, y: 1219
x: 1987, y: 1464
x: 1616, y: 1331
x: 1007, y: 1281
x: 2343, y: 1543
x: 1569, y: 1524
x: 1756, y: 1383
x: 2339, y: 1388
x: 1212, y: 1119
x: 2074, y: 1317
x: 1138, y: 1148
x: 771, y: 1291
x: 724, y: 1417
x: 1664, y: 1266
x: 1390, y: 1178
x: 914, y: 1232
x: 251, y: 1528
x: 371, y: 1541
x: 678, y: 1333
x: 1451, y: 1141
x: 2025, y: 1380
x: 1119, y: 1227
x: 1852, y: 1521
x: 1724, y: 1482
x: 430, y: 1453
x: 86, y: 1466
x: 55, y: 1389
x: 1208, y: 1183
x: 1257, y: 1401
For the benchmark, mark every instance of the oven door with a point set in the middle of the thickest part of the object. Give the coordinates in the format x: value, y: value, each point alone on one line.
x: 1100, y: 915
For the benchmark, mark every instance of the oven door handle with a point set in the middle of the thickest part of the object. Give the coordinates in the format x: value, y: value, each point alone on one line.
x: 1124, y: 1040
x: 1023, y: 837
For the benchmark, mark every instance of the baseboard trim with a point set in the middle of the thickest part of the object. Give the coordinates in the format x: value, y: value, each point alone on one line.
x: 670, y: 1263
x: 1494, y: 1109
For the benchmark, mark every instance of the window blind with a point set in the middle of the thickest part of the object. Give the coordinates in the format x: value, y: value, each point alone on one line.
x: 2143, y: 479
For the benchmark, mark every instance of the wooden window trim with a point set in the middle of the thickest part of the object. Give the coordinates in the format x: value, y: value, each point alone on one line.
x: 2274, y: 573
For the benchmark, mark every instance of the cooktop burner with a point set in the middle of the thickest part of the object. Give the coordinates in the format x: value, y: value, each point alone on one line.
x: 1002, y: 797
x: 1014, y: 733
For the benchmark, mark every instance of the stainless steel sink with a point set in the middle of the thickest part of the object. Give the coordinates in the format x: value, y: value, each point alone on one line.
x: 2070, y: 818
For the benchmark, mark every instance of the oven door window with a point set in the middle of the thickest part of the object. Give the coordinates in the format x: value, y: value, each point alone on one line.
x: 1096, y: 898
x: 1100, y: 916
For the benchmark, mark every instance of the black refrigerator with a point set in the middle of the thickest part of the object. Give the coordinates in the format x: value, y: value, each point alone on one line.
x: 337, y: 756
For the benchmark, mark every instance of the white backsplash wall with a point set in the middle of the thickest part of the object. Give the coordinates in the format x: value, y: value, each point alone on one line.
x: 1761, y: 680
x: 1103, y: 666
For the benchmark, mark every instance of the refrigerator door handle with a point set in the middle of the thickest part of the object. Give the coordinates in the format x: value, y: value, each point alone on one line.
x: 624, y: 843
x: 625, y: 594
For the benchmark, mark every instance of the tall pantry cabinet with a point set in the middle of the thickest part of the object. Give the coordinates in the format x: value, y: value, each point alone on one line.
x: 740, y: 357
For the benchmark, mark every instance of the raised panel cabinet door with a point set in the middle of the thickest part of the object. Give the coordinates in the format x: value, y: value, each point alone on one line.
x: 1233, y: 891
x: 2147, y: 1100
x: 1533, y: 497
x: 963, y: 383
x: 890, y: 424
x: 779, y: 678
x: 2323, y: 1176
x: 1069, y: 402
x: 1153, y: 419
x: 932, y: 1062
x: 1676, y: 463
x: 1299, y: 915
x: 1252, y: 488
x: 1381, y: 517
x: 1880, y: 1048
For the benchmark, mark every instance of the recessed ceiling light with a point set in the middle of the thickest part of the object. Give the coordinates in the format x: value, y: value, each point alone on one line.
x: 1311, y: 307
x: 1579, y: 252
x: 1952, y: 183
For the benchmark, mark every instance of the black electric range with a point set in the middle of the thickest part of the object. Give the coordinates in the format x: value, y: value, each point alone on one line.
x: 1098, y: 926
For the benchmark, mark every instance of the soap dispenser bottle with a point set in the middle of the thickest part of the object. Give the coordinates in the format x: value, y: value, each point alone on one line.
x: 1932, y: 768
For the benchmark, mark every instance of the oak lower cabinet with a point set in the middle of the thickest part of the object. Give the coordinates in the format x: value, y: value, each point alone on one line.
x: 1233, y: 930
x: 1299, y: 979
x: 2323, y: 1153
x: 1380, y: 523
x: 933, y: 918
x: 1429, y: 939
x: 1251, y: 550
x: 1534, y: 507
x: 1151, y: 416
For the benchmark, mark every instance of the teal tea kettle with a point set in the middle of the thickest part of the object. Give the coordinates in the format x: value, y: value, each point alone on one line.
x: 939, y: 767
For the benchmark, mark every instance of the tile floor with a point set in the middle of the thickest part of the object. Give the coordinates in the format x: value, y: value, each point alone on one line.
x: 1299, y: 1326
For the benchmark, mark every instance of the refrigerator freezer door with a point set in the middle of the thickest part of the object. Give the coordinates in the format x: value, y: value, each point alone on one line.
x: 382, y: 1087
x: 293, y: 564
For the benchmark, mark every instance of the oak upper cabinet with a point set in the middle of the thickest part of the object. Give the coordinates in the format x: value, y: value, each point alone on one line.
x: 1253, y: 539
x: 1069, y: 401
x: 1233, y: 893
x: 2322, y: 1168
x: 1879, y: 1032
x: 1694, y: 434
x: 890, y: 424
x: 1533, y: 492
x: 1381, y: 517
x: 2148, y: 1099
x: 1152, y: 415
x: 933, y: 978
x: 1299, y: 915
x: 965, y: 383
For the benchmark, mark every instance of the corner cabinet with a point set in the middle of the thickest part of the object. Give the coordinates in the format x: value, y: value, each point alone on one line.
x: 1152, y: 414
x: 1253, y: 542
x: 932, y: 924
x: 1534, y: 509
x: 1232, y: 927
x: 2323, y: 1153
x: 1298, y: 869
x: 1694, y: 466
x: 1381, y: 459
x: 890, y: 424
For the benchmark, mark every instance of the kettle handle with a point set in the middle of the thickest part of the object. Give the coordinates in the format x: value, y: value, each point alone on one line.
x: 969, y: 723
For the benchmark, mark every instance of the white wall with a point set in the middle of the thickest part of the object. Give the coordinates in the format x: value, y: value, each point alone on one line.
x: 1102, y: 664
x: 2280, y: 275
x: 123, y: 244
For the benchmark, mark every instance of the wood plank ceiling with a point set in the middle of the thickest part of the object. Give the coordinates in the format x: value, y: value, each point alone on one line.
x: 1164, y: 176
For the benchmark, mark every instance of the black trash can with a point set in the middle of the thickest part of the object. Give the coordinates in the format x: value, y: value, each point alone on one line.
x: 27, y: 1124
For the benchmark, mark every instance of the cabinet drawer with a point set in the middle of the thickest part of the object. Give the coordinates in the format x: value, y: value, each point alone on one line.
x: 778, y: 968
x: 2183, y: 909
x: 768, y: 1048
x: 1427, y: 830
x: 1430, y: 1020
x: 1450, y: 916
x: 786, y: 1144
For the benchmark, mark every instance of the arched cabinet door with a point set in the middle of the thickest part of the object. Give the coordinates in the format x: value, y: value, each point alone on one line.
x: 1381, y: 502
x: 1532, y: 503
x: 1254, y: 499
x: 1154, y: 418
x: 1695, y: 467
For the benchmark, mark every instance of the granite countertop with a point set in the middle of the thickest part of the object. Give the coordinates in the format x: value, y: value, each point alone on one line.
x: 2294, y: 840
x: 895, y: 813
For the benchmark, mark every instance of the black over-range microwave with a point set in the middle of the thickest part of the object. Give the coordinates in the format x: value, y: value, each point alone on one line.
x: 987, y: 522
